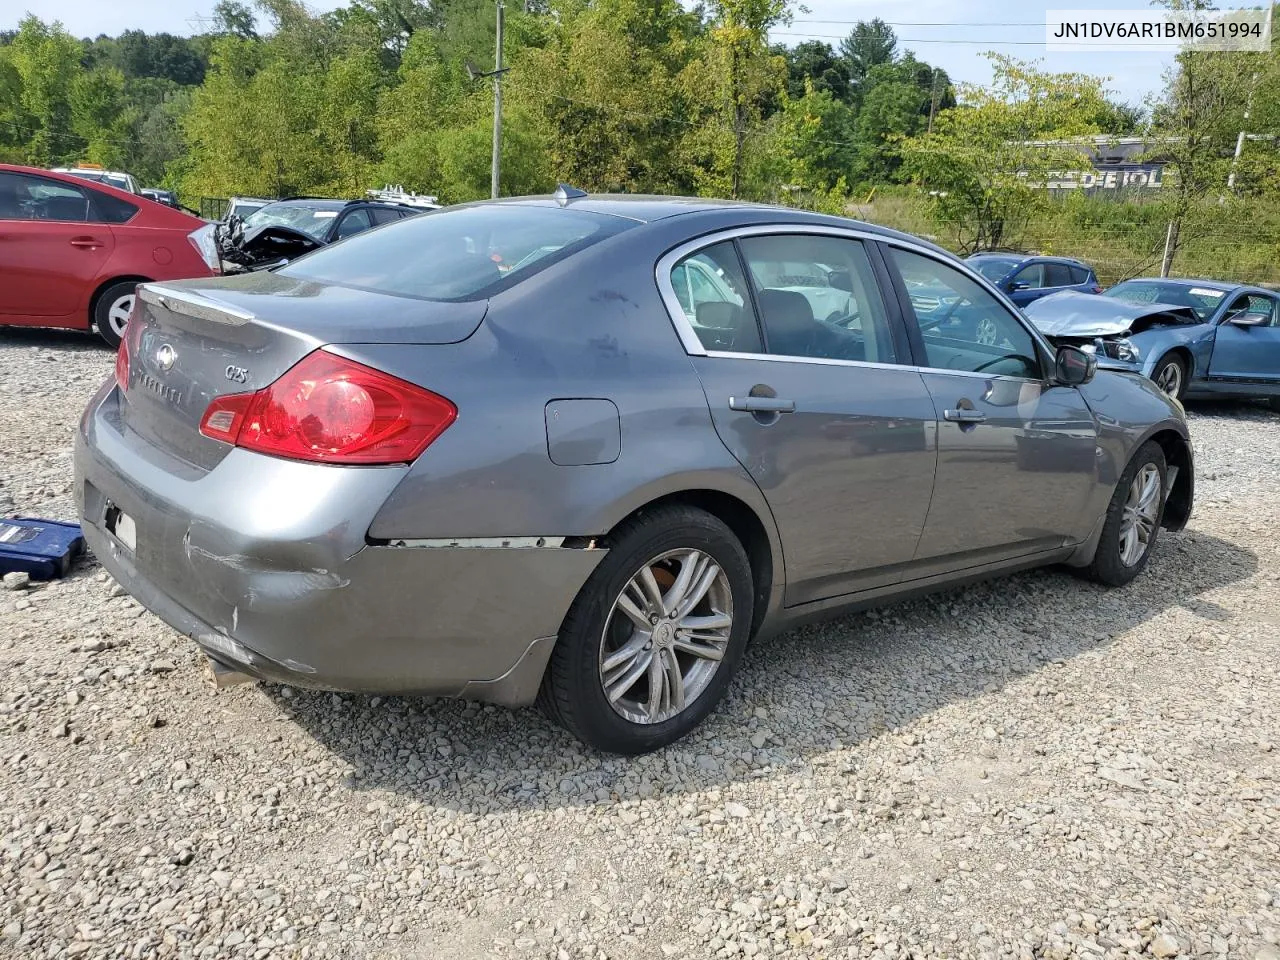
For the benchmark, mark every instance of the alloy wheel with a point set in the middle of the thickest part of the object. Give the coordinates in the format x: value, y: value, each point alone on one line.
x: 987, y: 333
x: 665, y: 636
x: 1138, y: 521
x: 118, y: 314
x: 1169, y: 379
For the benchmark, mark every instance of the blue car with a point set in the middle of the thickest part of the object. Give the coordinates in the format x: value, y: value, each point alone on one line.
x: 1026, y: 278
x: 1194, y: 338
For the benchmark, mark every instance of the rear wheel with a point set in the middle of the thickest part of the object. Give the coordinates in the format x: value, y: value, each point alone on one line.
x: 1132, y: 523
x: 1170, y: 375
x: 111, y: 311
x: 653, y: 638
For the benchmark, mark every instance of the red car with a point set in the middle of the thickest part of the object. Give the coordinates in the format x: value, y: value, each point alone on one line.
x: 72, y: 251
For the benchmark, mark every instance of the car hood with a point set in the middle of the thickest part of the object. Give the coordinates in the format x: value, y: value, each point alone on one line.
x: 1072, y: 314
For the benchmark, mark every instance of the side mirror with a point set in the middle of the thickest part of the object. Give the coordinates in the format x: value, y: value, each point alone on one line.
x: 1074, y: 367
x: 1250, y: 320
x: 1018, y: 285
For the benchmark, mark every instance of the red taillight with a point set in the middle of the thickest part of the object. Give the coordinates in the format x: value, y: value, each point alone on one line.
x: 1096, y: 288
x: 122, y: 363
x: 332, y: 410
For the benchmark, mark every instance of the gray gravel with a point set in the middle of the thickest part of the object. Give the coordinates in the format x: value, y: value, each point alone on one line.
x: 1034, y: 767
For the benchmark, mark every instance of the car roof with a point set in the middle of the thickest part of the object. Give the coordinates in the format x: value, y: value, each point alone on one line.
x: 1023, y: 257
x: 648, y: 208
x: 75, y: 181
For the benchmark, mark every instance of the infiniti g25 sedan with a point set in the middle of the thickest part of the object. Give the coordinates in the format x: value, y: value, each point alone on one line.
x: 589, y: 479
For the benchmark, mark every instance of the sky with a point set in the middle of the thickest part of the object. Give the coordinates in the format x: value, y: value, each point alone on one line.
x: 945, y: 33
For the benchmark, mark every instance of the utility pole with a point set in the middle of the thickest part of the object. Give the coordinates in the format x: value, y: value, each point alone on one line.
x: 933, y: 97
x: 497, y: 109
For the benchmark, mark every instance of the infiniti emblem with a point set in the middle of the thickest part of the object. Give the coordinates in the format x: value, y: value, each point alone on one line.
x: 165, y: 358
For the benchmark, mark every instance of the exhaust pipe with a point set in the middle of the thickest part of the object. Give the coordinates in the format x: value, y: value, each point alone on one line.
x: 222, y: 676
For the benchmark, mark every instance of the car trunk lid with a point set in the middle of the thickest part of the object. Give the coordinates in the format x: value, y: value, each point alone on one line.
x: 193, y: 341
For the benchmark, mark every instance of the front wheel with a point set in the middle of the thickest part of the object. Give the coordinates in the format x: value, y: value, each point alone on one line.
x: 1170, y: 375
x: 1132, y: 523
x: 111, y: 311
x: 654, y: 636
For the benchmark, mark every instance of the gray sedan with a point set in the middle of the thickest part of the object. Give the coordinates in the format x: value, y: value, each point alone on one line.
x: 580, y: 450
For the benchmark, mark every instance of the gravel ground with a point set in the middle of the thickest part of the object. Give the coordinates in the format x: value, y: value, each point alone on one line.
x: 1034, y: 767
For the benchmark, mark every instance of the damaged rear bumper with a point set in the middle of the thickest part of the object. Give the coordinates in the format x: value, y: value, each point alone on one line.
x: 263, y: 562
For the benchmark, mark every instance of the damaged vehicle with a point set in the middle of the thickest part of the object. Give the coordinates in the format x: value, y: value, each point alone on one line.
x: 1194, y: 338
x: 394, y: 467
x: 285, y: 230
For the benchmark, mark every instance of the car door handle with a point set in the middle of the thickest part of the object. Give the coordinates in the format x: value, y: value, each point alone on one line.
x: 964, y: 416
x: 762, y: 405
x: 86, y: 243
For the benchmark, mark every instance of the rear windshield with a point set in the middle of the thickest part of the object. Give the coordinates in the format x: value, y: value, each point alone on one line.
x: 993, y: 268
x: 465, y: 254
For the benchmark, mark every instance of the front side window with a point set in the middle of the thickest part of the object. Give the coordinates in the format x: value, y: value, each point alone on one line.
x: 353, y: 223
x: 1253, y: 303
x: 818, y: 298
x: 1032, y: 275
x: 973, y: 332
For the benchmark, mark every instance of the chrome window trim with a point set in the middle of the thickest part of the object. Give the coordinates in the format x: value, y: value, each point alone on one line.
x: 824, y: 362
x: 684, y: 329
x: 694, y: 347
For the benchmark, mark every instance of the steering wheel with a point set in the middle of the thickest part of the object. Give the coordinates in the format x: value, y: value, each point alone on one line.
x: 1026, y: 362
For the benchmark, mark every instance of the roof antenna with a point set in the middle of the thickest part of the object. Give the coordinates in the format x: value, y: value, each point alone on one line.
x: 564, y: 193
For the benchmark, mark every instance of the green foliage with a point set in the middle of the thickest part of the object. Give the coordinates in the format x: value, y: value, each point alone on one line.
x: 987, y: 159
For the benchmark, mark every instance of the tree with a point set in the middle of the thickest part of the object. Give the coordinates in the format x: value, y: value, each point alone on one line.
x: 737, y: 76
x: 46, y: 60
x: 869, y: 44
x: 235, y: 19
x: 1195, y: 126
x: 813, y: 62
x: 986, y: 162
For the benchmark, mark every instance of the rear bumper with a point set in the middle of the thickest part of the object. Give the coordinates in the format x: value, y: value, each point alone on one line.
x: 263, y: 562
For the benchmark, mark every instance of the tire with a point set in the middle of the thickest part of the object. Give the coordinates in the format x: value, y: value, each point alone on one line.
x: 111, y: 311
x: 573, y: 690
x: 1109, y: 566
x: 1274, y: 403
x: 1171, y: 371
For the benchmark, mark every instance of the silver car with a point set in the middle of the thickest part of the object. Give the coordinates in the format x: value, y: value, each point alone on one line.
x: 497, y: 452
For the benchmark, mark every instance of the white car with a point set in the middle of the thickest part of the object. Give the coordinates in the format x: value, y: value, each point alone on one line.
x: 112, y: 178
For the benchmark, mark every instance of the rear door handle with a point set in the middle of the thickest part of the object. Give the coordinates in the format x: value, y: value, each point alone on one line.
x: 964, y: 416
x: 762, y: 405
x: 86, y: 243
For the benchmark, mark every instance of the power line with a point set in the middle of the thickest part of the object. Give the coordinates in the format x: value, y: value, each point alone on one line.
x: 921, y: 23
x: 909, y: 40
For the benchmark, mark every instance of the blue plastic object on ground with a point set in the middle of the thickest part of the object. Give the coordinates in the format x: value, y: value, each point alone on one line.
x: 44, y: 549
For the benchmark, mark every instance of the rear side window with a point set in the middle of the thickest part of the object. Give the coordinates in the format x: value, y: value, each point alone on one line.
x: 108, y: 209
x: 1057, y: 275
x: 384, y: 216
x: 1079, y: 275
x: 465, y: 254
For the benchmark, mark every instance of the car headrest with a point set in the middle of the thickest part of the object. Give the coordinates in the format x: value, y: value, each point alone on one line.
x: 785, y: 311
